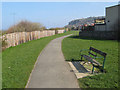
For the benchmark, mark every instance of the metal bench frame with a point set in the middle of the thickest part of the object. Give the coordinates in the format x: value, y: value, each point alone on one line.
x: 92, y: 59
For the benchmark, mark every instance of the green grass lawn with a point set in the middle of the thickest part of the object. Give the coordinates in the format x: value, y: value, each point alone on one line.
x: 18, y: 61
x: 73, y: 44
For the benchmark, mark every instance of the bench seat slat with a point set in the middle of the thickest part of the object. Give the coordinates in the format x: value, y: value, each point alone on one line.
x: 93, y: 61
x: 92, y: 54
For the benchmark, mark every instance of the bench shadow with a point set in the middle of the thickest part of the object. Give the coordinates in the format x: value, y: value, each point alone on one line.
x: 74, y: 60
x: 79, y: 67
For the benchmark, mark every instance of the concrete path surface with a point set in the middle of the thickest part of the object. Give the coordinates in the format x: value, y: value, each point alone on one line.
x: 51, y: 70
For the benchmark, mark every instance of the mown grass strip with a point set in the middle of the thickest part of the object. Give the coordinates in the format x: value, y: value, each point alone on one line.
x: 18, y: 61
x: 71, y: 47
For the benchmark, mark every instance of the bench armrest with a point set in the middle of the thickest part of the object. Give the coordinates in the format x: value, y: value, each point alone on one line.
x: 83, y: 50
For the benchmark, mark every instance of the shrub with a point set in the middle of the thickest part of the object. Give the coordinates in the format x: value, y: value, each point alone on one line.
x: 88, y: 28
x: 26, y: 26
x: 57, y: 28
x: 4, y: 43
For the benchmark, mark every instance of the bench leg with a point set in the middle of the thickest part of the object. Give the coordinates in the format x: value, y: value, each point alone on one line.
x: 81, y: 57
x: 93, y: 70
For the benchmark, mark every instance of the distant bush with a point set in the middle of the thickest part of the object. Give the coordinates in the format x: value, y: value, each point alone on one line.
x: 2, y: 32
x: 56, y: 28
x: 26, y: 26
x: 87, y: 28
x: 4, y: 43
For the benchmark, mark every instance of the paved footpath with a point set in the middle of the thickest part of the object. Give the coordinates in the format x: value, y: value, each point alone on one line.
x: 51, y: 70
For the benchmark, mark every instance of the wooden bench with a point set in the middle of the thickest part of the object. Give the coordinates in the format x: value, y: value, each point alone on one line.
x: 93, y: 56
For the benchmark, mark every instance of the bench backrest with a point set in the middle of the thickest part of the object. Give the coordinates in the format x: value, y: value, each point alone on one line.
x: 97, y: 52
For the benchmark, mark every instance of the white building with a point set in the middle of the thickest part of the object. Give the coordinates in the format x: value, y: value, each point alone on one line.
x: 112, y: 17
x: 111, y: 20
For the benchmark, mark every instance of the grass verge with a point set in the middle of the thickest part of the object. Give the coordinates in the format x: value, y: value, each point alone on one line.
x: 71, y: 47
x: 18, y: 61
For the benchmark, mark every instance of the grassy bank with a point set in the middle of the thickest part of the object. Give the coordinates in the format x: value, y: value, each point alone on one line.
x: 18, y: 61
x: 73, y: 44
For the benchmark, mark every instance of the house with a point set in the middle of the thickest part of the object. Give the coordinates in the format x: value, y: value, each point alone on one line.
x: 110, y: 22
x: 100, y: 24
x: 106, y: 28
x: 112, y: 17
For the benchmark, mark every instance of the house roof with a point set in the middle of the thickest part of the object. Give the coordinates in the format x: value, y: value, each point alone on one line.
x: 113, y: 6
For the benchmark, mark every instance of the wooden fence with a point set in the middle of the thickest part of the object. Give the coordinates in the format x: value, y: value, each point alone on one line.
x: 17, y: 38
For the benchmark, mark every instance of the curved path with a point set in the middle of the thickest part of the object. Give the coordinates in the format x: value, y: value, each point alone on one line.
x: 51, y: 70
